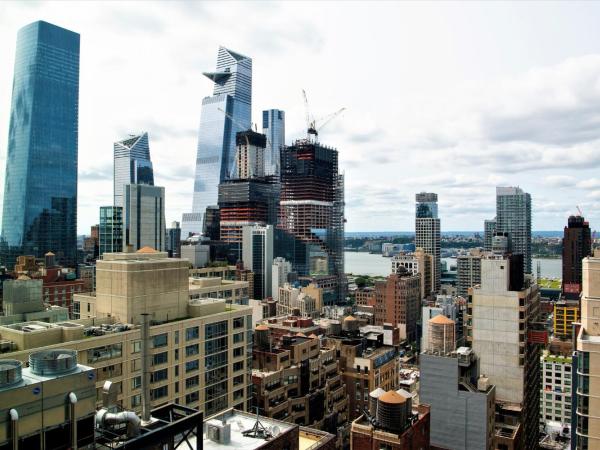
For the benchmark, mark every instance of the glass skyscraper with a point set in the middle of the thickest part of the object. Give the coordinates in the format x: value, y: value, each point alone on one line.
x: 215, y: 159
x: 132, y: 164
x: 427, y: 232
x: 110, y: 232
x: 40, y: 191
x: 513, y: 216
x: 274, y: 128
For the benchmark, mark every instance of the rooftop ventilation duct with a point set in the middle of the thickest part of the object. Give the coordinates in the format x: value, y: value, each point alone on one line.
x: 53, y: 362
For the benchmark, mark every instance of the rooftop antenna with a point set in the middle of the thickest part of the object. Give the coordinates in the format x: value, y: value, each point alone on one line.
x: 258, y: 430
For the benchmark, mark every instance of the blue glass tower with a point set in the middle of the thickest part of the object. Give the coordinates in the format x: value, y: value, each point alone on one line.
x: 40, y: 191
x: 274, y: 128
x: 132, y: 164
x: 216, y: 136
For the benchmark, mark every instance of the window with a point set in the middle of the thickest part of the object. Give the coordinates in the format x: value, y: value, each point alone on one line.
x: 136, y: 400
x: 192, y: 333
x: 238, y: 380
x: 159, y: 375
x: 217, y: 329
x: 237, y: 352
x: 191, y: 350
x: 160, y: 358
x: 160, y: 392
x: 136, y: 382
x: 215, y: 375
x: 238, y: 366
x: 192, y: 381
x: 192, y: 365
x: 216, y: 360
x: 176, y: 336
x: 238, y: 337
x: 192, y: 397
x: 238, y: 322
x: 161, y: 340
x: 136, y: 346
x: 216, y: 345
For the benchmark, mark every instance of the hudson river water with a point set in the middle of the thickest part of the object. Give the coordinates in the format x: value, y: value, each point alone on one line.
x: 360, y: 263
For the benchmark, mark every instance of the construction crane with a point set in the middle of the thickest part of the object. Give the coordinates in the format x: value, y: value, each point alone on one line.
x: 579, y: 210
x: 313, y: 126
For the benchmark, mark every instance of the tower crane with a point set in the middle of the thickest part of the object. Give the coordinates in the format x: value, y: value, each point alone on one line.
x: 313, y: 126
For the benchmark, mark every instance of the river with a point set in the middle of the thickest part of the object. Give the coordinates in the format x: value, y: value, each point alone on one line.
x: 361, y: 263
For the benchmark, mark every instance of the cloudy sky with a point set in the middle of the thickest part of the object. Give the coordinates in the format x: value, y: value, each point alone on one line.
x: 454, y: 98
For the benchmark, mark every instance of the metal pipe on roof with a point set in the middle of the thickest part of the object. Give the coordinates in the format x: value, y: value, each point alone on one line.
x: 14, y: 425
x: 72, y: 402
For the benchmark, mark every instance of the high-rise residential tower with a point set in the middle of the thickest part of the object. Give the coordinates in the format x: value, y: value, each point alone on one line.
x: 257, y: 254
x: 40, y: 190
x: 132, y: 164
x: 273, y: 122
x: 577, y: 244
x: 223, y: 114
x: 489, y: 228
x: 513, y: 216
x: 587, y: 361
x: 427, y: 232
x: 502, y: 329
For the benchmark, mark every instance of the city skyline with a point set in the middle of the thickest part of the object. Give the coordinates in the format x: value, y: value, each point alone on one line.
x: 514, y: 133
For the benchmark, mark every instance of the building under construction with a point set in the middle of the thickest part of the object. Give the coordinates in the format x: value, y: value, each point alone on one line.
x: 312, y: 208
x: 248, y: 197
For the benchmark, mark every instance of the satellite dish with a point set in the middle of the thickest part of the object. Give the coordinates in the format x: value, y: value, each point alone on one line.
x: 275, y: 430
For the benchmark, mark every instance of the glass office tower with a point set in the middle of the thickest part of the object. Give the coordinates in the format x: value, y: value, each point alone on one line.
x: 274, y: 128
x: 132, y: 164
x: 110, y: 232
x: 215, y: 159
x: 513, y: 216
x: 40, y: 191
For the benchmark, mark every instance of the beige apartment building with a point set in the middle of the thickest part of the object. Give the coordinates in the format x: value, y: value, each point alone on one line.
x: 201, y: 349
x: 588, y: 359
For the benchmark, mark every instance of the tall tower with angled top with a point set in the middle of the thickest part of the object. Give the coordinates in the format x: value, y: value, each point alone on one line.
x: 215, y: 160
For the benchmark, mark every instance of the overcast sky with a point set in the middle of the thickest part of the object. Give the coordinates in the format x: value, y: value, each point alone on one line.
x: 453, y: 98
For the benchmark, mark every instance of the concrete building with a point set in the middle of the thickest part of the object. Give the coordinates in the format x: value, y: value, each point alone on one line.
x: 23, y: 295
x: 427, y: 232
x: 468, y: 272
x: 588, y: 359
x: 420, y: 263
x: 280, y: 272
x: 200, y: 355
x: 232, y: 291
x: 397, y: 301
x: 303, y: 301
x: 144, y: 216
x: 502, y: 315
x: 513, y: 216
x: 393, y: 422
x: 556, y: 393
x: 196, y: 251
x: 257, y: 254
x: 461, y: 401
x: 577, y: 244
x: 297, y: 380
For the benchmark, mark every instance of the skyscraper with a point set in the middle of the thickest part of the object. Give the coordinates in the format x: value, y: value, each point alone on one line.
x: 132, y: 164
x: 144, y: 216
x: 577, y: 244
x: 274, y: 128
x: 489, y: 228
x: 223, y: 114
x: 587, y: 360
x: 427, y: 232
x: 257, y: 254
x: 312, y: 210
x: 110, y: 230
x: 513, y: 216
x: 502, y: 315
x: 40, y: 191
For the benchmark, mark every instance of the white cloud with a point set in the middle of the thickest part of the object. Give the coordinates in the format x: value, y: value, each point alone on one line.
x: 440, y: 97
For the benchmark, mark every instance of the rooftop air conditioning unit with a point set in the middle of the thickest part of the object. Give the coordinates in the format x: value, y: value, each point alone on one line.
x: 218, y: 431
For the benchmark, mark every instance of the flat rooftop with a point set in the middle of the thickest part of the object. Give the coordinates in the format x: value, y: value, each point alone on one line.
x: 241, y: 421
